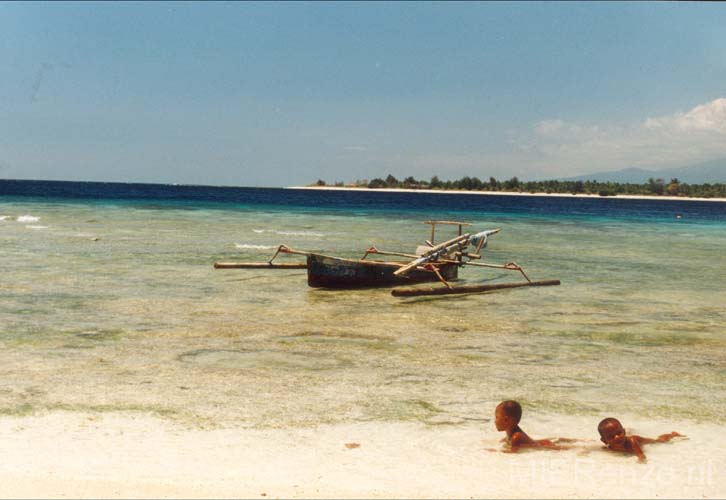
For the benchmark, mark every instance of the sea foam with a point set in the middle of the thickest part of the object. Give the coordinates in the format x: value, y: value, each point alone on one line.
x: 244, y: 246
x: 289, y: 233
x: 27, y: 218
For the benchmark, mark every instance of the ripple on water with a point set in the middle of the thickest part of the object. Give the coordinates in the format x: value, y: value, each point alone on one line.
x: 572, y: 383
x: 412, y: 378
x: 658, y: 339
x: 260, y: 359
x: 99, y: 335
x: 453, y: 329
x: 342, y: 338
x: 425, y: 411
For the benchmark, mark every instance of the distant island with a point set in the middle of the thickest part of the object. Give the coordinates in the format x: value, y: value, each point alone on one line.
x: 652, y: 187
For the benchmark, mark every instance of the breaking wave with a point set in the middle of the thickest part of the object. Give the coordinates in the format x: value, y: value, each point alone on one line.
x: 245, y: 246
x: 289, y: 233
x: 27, y: 218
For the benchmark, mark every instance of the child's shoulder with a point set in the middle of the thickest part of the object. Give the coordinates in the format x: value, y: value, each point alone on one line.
x: 520, y: 437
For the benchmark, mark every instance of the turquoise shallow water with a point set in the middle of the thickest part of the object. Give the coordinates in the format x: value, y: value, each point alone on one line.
x: 110, y: 306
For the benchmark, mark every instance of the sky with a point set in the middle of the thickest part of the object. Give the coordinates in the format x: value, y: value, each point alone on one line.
x: 283, y: 94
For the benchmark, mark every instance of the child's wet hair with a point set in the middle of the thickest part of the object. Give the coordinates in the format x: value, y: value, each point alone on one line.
x: 606, y: 422
x: 512, y: 409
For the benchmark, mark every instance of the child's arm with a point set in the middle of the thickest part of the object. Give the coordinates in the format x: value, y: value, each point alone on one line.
x: 564, y: 440
x: 546, y: 443
x: 521, y: 440
x: 667, y: 437
x: 635, y: 447
x: 663, y: 438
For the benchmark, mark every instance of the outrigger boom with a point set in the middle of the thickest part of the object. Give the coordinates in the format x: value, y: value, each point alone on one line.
x: 417, y: 292
x: 458, y: 243
x: 259, y: 265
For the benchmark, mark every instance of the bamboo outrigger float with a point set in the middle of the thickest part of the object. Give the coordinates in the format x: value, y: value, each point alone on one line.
x: 432, y: 262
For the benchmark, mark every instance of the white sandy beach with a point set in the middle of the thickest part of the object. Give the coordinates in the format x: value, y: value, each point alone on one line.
x: 126, y: 455
x: 508, y: 193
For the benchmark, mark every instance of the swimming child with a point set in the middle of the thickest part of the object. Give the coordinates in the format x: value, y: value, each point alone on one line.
x: 613, y: 435
x: 507, y: 417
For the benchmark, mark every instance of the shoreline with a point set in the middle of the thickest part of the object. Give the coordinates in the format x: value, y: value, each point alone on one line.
x: 508, y: 193
x: 136, y: 455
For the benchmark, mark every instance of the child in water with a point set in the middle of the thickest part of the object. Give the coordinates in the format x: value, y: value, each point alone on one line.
x: 613, y: 435
x: 507, y: 417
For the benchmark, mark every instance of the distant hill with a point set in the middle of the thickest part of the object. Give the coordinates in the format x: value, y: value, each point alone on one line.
x: 711, y: 172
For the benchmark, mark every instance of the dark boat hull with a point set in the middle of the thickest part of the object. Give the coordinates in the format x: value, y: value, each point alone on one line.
x: 334, y: 272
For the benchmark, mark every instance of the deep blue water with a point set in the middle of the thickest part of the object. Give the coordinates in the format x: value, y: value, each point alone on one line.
x: 364, y: 201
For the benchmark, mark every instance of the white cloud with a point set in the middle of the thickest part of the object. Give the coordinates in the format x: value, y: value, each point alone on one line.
x: 564, y: 148
x: 709, y: 117
x: 549, y: 127
x: 559, y: 129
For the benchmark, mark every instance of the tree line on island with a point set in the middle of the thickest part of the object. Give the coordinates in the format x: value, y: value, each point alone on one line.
x: 652, y: 187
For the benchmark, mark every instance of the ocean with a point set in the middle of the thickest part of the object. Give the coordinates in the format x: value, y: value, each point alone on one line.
x: 109, y: 302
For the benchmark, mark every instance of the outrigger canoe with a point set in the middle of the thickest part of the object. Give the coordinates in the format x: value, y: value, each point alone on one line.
x: 431, y: 262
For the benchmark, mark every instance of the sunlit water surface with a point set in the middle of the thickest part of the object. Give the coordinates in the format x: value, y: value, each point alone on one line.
x: 108, y: 306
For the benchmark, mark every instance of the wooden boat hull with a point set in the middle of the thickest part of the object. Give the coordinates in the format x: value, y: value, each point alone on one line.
x: 333, y: 272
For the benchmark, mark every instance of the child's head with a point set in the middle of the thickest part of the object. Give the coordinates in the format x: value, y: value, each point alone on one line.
x: 507, y: 415
x: 611, y: 431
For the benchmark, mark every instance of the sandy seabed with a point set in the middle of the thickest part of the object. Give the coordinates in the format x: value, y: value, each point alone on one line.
x: 509, y: 193
x: 121, y: 455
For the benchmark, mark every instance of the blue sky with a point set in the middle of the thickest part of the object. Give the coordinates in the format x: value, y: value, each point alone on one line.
x: 280, y: 94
